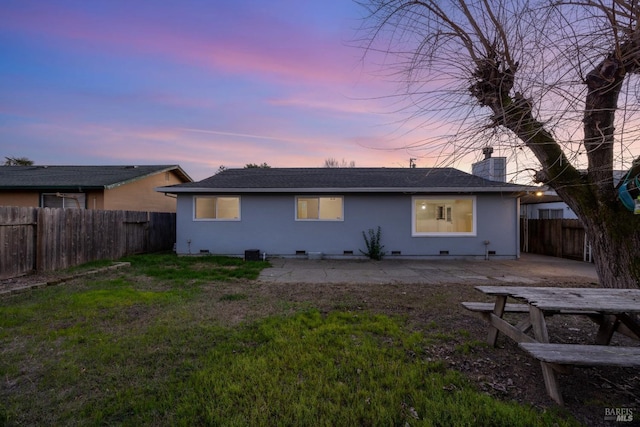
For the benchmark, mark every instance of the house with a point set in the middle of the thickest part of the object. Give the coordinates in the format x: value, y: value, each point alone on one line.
x: 544, y: 203
x: 323, y: 212
x: 90, y: 187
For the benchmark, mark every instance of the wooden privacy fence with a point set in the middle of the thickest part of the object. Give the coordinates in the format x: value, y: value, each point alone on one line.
x: 565, y: 238
x: 47, y: 239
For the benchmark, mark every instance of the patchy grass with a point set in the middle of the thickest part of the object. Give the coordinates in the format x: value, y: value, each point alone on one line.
x: 195, y: 269
x: 153, y: 345
x: 234, y: 297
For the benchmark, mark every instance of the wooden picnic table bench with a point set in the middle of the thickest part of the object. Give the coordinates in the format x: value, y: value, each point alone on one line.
x: 612, y: 309
x: 583, y: 354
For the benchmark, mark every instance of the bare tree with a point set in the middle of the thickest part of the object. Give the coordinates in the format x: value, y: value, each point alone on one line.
x: 332, y: 162
x: 558, y: 80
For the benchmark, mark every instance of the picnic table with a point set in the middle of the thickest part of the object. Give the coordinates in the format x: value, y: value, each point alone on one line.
x: 612, y: 309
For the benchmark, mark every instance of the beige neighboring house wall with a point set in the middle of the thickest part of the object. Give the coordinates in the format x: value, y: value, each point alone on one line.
x: 137, y: 194
x: 95, y: 200
x: 141, y: 196
x: 20, y: 198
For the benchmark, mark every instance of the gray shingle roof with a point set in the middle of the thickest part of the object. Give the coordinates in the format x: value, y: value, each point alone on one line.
x: 344, y: 180
x: 77, y: 177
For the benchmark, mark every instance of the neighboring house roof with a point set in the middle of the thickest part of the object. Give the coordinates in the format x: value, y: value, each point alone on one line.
x: 326, y: 180
x: 533, y: 199
x: 78, y: 178
x: 549, y: 195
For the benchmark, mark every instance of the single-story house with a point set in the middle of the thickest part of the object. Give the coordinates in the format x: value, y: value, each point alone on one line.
x: 289, y: 212
x: 544, y: 203
x: 90, y: 187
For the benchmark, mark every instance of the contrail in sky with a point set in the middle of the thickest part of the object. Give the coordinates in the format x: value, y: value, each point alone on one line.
x: 239, y: 135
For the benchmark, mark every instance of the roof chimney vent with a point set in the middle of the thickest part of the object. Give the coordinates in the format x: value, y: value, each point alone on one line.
x: 492, y: 168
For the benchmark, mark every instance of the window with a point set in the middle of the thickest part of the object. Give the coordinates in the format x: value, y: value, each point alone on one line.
x: 64, y: 200
x: 319, y: 208
x: 225, y: 208
x: 439, y: 216
x: 550, y: 213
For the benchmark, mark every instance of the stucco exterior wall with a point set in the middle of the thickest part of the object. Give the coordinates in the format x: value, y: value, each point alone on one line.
x: 22, y: 199
x: 140, y: 195
x: 268, y: 224
x: 95, y: 200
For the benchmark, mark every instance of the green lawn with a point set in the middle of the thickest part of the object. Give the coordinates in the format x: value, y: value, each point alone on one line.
x: 156, y: 344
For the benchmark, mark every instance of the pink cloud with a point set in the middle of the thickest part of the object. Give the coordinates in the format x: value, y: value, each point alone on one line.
x: 258, y: 47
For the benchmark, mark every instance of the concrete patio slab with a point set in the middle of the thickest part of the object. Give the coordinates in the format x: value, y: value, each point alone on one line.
x: 529, y: 269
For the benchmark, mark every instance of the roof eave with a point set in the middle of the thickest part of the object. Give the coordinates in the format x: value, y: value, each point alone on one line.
x: 51, y: 187
x: 177, y: 169
x: 506, y: 189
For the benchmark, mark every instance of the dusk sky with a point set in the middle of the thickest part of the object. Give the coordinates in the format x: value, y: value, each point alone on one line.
x: 197, y: 83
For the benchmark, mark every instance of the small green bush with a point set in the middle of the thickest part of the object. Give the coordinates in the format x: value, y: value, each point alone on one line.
x: 374, y: 247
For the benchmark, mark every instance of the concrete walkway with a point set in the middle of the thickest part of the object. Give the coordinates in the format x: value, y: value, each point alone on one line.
x: 529, y: 269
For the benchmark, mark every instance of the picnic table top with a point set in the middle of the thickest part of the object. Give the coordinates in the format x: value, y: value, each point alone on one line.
x: 603, y: 300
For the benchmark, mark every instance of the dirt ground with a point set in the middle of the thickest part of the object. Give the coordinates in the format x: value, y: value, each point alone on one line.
x: 505, y: 372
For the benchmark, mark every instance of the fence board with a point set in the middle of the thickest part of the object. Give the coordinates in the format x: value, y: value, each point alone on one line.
x: 17, y: 239
x: 48, y: 239
x: 555, y: 237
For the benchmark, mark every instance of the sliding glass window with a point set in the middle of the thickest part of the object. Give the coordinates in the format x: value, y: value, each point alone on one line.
x: 222, y: 208
x: 316, y: 208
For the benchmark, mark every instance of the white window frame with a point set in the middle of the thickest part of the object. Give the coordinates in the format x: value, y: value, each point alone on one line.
x: 193, y: 207
x: 295, y: 214
x: 69, y: 200
x: 474, y: 213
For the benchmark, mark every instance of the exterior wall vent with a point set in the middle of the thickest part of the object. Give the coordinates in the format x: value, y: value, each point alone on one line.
x: 301, y: 252
x: 396, y: 252
x: 347, y: 252
x: 204, y: 251
x: 444, y: 252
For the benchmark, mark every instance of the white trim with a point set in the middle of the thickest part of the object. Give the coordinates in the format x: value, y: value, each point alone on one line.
x: 212, y: 196
x: 474, y: 217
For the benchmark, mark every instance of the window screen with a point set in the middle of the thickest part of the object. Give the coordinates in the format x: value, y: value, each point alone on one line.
x: 64, y: 200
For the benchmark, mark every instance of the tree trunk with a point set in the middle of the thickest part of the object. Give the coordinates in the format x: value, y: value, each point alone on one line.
x: 613, y: 231
x: 614, y: 235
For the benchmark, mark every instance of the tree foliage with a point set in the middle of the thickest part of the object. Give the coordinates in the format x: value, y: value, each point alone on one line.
x: 332, y: 162
x: 254, y: 165
x: 17, y: 161
x: 554, y: 84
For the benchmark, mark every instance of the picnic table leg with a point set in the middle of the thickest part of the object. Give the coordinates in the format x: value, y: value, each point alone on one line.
x: 631, y: 322
x: 498, y: 310
x: 607, y: 328
x: 542, y: 335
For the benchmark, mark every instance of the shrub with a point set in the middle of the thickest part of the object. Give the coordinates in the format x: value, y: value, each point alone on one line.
x: 374, y: 247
